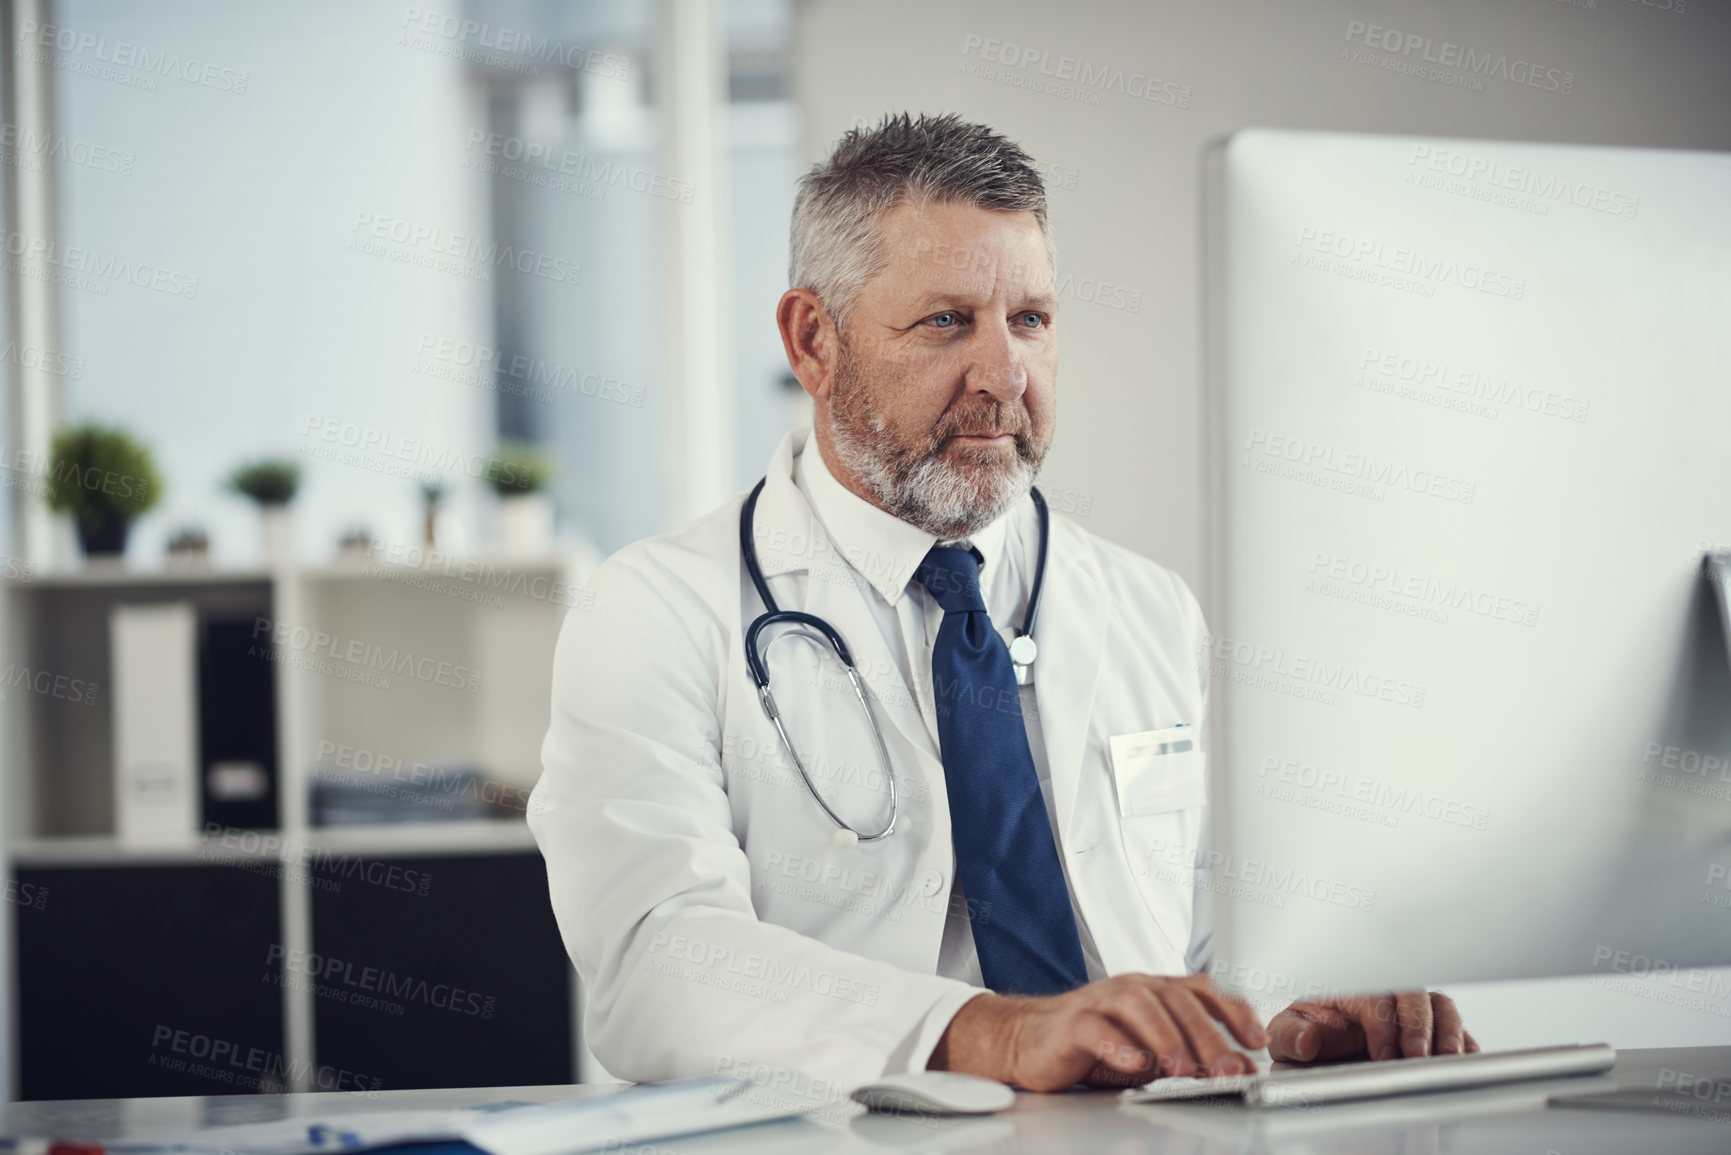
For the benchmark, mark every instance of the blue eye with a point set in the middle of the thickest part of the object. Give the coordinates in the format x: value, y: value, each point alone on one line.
x: 940, y: 320
x: 1033, y: 320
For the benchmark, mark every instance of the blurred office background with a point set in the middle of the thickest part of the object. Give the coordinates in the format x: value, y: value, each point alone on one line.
x: 388, y: 241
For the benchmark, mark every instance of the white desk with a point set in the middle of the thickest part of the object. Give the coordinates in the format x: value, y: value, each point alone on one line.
x: 1498, y: 1120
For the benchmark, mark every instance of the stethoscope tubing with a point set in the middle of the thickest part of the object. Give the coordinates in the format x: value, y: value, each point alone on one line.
x: 755, y: 658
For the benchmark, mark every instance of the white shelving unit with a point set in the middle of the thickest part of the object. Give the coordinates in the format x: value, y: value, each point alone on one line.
x: 442, y: 667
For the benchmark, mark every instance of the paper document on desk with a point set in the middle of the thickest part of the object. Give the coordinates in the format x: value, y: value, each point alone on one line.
x: 582, y: 1123
x: 635, y: 1115
x: 306, y: 1134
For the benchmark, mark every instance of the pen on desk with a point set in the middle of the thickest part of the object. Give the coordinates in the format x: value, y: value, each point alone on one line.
x: 320, y: 1134
x: 64, y: 1147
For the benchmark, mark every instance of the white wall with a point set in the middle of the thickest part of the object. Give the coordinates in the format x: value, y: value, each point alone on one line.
x: 253, y: 188
x: 1130, y: 383
x: 1124, y: 176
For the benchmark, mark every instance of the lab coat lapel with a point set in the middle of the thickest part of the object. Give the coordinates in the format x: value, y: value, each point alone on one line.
x: 783, y: 522
x: 1071, y: 634
x: 790, y: 539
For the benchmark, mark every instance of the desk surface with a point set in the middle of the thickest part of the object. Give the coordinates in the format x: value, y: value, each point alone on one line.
x: 1504, y: 1119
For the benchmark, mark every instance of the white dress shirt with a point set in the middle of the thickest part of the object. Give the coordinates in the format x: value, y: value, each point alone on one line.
x: 885, y: 552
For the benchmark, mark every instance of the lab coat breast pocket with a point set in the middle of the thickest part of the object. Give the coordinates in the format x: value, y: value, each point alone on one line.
x: 1158, y: 771
x: 1161, y: 781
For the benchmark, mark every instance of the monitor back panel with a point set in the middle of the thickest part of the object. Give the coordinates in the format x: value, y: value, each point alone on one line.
x: 1471, y: 424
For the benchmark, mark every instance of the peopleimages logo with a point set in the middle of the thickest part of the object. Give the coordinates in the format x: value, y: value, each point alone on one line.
x: 45, y: 360
x: 1070, y: 74
x: 339, y: 973
x: 776, y: 975
x: 1372, y: 792
x: 366, y: 655
x: 1253, y: 874
x: 460, y: 34
x: 80, y: 263
x: 49, y: 684
x: 1470, y: 384
x: 582, y: 167
x: 1257, y: 665
x: 484, y: 366
x: 1544, y: 187
x: 153, y: 62
x: 1422, y: 589
x: 225, y: 1061
x: 364, y: 443
x: 1328, y: 461
x: 453, y: 252
x: 1710, y: 985
x: 1416, y: 265
x: 1414, y: 48
x: 25, y: 144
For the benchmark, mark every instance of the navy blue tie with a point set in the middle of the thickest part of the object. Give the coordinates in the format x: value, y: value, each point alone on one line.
x: 1024, y: 930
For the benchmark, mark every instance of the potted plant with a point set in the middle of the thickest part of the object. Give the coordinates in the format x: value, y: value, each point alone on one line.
x: 518, y: 474
x: 104, y: 479
x: 271, y: 483
x: 355, y: 545
x: 189, y: 549
x: 432, y: 496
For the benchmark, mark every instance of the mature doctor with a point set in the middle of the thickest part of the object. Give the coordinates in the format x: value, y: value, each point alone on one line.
x: 1032, y: 913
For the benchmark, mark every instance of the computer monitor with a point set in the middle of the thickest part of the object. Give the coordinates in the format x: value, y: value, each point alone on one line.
x: 1470, y: 446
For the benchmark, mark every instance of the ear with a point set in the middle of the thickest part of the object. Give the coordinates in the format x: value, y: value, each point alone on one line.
x: 808, y: 334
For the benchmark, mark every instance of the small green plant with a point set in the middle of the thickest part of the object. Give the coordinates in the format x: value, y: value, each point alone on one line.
x: 517, y: 469
x: 432, y: 494
x: 104, y: 479
x: 272, y: 481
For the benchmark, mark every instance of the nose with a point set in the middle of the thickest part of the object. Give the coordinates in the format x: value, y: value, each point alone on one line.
x: 996, y: 363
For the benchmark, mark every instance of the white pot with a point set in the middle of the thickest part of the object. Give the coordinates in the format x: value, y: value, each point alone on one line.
x: 526, y: 524
x: 277, y: 528
x: 353, y: 553
x: 187, y: 561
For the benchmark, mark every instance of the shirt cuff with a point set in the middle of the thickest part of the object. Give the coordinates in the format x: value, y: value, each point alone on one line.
x: 916, y: 1050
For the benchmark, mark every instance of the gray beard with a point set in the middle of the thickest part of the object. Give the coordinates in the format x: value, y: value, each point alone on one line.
x: 923, y: 489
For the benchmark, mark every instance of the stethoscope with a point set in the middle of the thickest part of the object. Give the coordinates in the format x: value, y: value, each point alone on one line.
x: 1023, y: 651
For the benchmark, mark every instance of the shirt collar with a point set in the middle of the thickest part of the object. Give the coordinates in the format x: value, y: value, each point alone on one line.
x: 881, y: 547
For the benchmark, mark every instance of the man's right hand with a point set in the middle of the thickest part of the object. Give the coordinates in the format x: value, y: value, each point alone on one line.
x: 1118, y: 1032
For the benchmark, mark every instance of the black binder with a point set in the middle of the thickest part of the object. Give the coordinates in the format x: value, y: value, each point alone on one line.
x: 236, y: 727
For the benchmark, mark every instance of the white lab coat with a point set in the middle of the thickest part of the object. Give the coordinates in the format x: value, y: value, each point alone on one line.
x: 697, y: 887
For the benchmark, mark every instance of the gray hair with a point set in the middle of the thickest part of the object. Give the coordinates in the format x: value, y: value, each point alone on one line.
x: 835, y: 247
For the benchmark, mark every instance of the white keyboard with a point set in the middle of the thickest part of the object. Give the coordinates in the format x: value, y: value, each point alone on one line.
x: 1340, y: 1082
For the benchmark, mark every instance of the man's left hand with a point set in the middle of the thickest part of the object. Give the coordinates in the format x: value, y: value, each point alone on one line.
x: 1411, y: 1024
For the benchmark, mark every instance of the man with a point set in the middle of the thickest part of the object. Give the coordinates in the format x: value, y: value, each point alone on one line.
x: 1032, y: 914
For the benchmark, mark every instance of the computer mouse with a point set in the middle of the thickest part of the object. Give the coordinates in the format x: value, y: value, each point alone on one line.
x: 935, y: 1093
